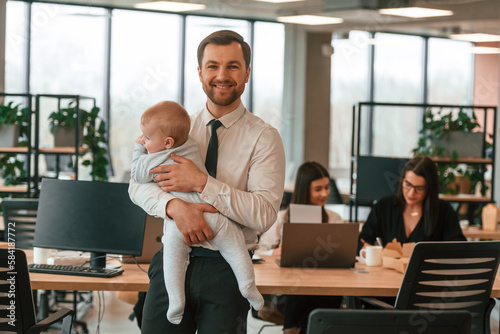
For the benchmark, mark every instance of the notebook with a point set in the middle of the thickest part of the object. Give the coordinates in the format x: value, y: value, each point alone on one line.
x: 152, y: 241
x: 319, y: 245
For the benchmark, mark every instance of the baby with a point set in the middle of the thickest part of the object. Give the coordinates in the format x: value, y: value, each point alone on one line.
x: 165, y: 130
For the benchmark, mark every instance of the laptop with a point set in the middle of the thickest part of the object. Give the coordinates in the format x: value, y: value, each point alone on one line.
x: 317, y: 245
x: 152, y: 241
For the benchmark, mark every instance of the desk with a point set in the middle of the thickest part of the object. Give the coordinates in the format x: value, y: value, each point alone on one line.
x: 133, y: 279
x: 475, y: 232
x: 270, y: 279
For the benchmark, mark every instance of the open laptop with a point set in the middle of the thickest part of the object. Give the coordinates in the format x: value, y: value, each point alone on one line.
x: 317, y: 245
x: 152, y: 241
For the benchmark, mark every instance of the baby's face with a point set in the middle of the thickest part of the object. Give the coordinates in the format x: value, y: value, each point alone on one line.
x: 154, y: 141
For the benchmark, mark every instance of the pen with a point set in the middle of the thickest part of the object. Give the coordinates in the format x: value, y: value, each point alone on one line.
x: 379, y: 242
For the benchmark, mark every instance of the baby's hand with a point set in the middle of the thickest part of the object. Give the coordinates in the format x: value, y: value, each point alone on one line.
x: 140, y: 140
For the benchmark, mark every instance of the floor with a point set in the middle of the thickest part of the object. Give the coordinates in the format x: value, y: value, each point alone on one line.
x: 116, y: 312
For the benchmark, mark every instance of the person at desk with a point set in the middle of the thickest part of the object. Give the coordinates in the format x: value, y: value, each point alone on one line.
x: 415, y: 213
x: 312, y: 186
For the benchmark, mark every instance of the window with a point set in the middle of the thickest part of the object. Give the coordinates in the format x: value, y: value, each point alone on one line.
x: 144, y: 71
x: 15, y: 47
x: 398, y: 71
x: 67, y: 56
x: 350, y: 70
x: 267, y: 69
x: 450, y: 72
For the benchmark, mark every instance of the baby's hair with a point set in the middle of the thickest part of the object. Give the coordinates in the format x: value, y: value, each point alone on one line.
x: 171, y: 119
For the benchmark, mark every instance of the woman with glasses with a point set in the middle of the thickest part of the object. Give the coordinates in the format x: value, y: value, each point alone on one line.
x: 415, y: 213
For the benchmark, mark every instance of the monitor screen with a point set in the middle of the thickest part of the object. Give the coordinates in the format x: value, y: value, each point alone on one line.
x: 96, y: 217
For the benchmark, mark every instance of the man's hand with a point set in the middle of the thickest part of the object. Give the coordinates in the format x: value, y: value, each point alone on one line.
x: 190, y: 221
x: 184, y: 176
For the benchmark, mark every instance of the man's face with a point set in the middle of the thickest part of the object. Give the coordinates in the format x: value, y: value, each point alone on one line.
x: 223, y: 74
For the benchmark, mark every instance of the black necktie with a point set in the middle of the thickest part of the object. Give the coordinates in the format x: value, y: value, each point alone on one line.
x: 213, y: 147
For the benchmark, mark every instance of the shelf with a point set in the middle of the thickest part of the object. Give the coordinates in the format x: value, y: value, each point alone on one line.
x: 13, y: 150
x: 62, y: 150
x: 463, y: 160
x: 465, y: 198
x: 14, y: 189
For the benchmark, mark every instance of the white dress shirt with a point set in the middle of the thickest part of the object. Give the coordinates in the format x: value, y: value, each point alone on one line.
x: 250, y: 173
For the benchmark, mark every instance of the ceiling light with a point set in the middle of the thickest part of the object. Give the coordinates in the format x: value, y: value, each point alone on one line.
x: 310, y: 19
x: 279, y: 1
x: 476, y: 37
x: 415, y: 12
x: 170, y: 6
x: 485, y: 50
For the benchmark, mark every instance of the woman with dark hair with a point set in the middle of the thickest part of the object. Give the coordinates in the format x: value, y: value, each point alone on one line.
x: 312, y: 186
x: 415, y: 213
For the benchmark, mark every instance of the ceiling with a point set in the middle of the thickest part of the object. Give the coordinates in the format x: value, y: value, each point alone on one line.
x: 469, y: 15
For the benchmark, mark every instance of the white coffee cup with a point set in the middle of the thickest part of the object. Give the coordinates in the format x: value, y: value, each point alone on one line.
x: 372, y: 255
x: 40, y: 255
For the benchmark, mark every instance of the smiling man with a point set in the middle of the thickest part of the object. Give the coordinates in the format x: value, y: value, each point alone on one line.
x: 245, y: 184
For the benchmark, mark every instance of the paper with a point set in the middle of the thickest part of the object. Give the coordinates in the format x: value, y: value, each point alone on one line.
x: 303, y: 213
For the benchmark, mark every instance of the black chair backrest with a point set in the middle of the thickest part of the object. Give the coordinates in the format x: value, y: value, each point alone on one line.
x: 19, y: 219
x: 335, y: 321
x: 334, y: 197
x: 17, y: 311
x: 449, y: 276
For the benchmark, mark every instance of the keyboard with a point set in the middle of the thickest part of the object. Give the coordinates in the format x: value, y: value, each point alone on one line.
x: 74, y: 270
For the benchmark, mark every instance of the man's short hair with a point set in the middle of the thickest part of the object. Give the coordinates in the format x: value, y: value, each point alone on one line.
x: 225, y: 37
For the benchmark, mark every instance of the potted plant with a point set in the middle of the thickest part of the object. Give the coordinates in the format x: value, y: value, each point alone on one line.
x: 14, y: 124
x: 92, y: 134
x: 451, y: 135
x: 448, y: 134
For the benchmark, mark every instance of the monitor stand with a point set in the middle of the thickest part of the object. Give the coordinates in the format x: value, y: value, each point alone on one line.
x: 97, y: 260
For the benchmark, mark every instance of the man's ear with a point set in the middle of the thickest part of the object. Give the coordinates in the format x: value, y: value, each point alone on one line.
x: 199, y: 73
x: 248, y: 74
x: 169, y: 142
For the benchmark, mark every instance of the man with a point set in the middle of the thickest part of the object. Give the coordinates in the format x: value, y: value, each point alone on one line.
x: 247, y: 188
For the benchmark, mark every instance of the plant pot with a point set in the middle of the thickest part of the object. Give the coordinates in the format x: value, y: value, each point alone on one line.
x: 466, y: 144
x: 9, y: 135
x: 64, y: 137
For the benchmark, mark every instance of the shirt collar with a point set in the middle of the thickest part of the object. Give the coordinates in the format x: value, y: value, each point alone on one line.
x: 227, y: 120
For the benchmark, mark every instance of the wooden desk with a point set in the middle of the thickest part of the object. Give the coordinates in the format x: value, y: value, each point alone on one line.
x: 270, y: 279
x: 133, y: 279
x: 475, y: 232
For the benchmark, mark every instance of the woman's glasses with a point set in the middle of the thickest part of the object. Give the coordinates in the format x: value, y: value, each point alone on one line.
x: 407, y: 186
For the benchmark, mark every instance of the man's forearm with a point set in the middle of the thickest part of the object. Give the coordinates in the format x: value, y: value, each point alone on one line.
x: 150, y: 198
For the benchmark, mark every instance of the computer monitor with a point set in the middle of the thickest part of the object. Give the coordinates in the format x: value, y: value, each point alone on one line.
x: 95, y: 217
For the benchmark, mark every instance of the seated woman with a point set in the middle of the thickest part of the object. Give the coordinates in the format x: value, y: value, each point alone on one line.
x: 415, y: 213
x: 312, y: 186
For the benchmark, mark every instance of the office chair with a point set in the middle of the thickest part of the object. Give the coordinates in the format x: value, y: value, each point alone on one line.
x: 20, y: 215
x: 21, y: 318
x: 326, y: 321
x: 19, y: 219
x: 450, y: 276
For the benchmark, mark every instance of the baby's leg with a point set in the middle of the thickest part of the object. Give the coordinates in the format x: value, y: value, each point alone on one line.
x: 229, y: 239
x: 175, y: 262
